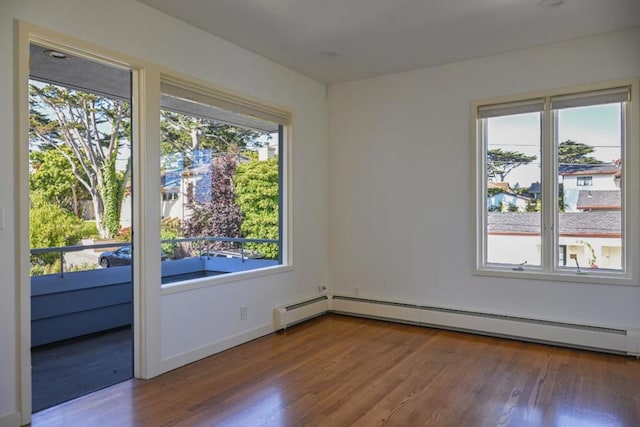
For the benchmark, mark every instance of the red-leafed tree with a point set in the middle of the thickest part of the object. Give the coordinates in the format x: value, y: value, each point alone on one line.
x: 218, y: 216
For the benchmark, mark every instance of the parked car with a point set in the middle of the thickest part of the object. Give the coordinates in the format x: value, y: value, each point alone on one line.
x: 121, y: 256
x: 248, y: 254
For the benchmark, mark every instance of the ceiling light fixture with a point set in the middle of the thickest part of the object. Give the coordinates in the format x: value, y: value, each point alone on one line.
x: 551, y: 3
x: 55, y: 54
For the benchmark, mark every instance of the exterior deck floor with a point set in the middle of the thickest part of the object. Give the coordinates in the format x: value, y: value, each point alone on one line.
x: 69, y: 369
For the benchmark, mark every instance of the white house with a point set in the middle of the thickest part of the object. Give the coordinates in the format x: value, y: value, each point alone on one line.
x: 578, y: 178
x: 508, y: 201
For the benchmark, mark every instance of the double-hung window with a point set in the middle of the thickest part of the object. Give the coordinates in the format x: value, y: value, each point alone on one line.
x: 556, y: 185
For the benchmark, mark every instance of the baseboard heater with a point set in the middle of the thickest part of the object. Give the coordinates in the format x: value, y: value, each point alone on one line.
x: 611, y: 340
x: 290, y: 315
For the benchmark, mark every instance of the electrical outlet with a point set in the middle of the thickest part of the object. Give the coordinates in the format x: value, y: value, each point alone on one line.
x: 356, y: 291
x: 243, y: 312
x: 322, y: 288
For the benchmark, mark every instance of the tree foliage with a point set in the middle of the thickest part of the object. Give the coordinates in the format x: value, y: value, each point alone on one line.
x: 576, y: 153
x: 500, y: 163
x: 52, y: 178
x: 89, y: 131
x: 257, y: 190
x: 51, y: 226
x: 186, y: 134
x: 219, y: 216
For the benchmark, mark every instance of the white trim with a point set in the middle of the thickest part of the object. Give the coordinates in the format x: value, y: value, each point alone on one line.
x: 10, y: 420
x: 146, y: 223
x: 206, y: 282
x: 215, y: 347
x: 23, y: 283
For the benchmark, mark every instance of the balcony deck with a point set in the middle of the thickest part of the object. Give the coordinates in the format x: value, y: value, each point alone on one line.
x: 68, y: 369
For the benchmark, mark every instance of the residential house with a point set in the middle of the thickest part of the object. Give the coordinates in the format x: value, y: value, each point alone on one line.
x: 508, y: 201
x: 591, y: 178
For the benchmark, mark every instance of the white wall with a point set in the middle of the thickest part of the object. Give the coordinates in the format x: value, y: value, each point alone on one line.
x: 400, y: 183
x: 203, y: 317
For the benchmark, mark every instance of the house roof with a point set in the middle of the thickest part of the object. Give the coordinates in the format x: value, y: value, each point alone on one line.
x: 504, y: 186
x: 597, y: 169
x: 599, y: 223
x: 599, y: 199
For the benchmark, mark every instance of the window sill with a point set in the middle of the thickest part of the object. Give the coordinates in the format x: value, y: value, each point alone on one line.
x: 205, y: 282
x: 588, y: 277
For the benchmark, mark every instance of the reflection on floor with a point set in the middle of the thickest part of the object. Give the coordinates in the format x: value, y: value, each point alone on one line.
x: 66, y: 370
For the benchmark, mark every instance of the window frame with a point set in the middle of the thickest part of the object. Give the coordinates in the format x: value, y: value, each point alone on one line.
x: 188, y: 87
x: 584, y: 181
x: 550, y: 246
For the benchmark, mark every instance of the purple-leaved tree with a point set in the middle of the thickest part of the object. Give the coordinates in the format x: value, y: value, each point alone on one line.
x: 219, y: 216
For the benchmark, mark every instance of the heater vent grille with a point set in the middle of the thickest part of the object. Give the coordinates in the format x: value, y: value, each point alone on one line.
x: 487, y: 315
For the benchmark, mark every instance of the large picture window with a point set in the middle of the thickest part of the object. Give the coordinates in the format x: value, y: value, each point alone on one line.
x: 221, y: 184
x: 551, y: 177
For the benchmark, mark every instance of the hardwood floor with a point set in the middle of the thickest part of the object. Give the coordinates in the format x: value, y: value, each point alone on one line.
x: 343, y: 371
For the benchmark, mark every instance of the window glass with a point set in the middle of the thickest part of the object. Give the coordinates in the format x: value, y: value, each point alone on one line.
x: 589, y: 150
x: 513, y: 189
x: 221, y: 190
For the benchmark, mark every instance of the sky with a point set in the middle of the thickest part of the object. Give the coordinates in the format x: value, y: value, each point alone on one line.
x: 597, y: 126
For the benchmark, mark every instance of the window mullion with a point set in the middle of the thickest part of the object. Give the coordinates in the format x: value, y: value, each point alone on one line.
x: 550, y: 189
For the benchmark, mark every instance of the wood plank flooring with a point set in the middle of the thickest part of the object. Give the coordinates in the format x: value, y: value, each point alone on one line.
x: 344, y: 371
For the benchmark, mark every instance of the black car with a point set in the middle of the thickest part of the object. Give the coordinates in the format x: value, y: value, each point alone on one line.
x: 121, y: 256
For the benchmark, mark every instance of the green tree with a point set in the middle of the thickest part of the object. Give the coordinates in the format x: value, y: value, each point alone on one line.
x: 257, y: 194
x: 51, y: 176
x: 576, y: 153
x: 89, y: 131
x: 51, y: 226
x: 500, y: 163
x: 185, y: 134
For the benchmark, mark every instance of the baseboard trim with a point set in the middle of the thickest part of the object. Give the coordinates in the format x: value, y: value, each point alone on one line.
x: 194, y: 355
x: 10, y: 420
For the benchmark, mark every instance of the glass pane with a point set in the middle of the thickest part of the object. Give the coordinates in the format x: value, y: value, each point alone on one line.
x: 220, y: 191
x: 80, y: 180
x: 513, y: 189
x: 590, y: 170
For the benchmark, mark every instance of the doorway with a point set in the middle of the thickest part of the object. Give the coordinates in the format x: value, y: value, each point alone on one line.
x: 80, y: 215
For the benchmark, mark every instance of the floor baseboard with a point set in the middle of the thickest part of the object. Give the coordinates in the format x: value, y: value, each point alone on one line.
x: 10, y: 420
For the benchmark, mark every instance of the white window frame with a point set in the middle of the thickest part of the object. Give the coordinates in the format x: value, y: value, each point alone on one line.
x: 549, y: 270
x: 584, y: 181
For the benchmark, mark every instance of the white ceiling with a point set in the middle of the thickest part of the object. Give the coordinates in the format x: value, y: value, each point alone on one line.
x: 375, y: 37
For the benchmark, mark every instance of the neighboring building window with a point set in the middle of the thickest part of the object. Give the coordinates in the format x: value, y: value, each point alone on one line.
x: 585, y: 181
x: 544, y: 151
x: 221, y: 177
